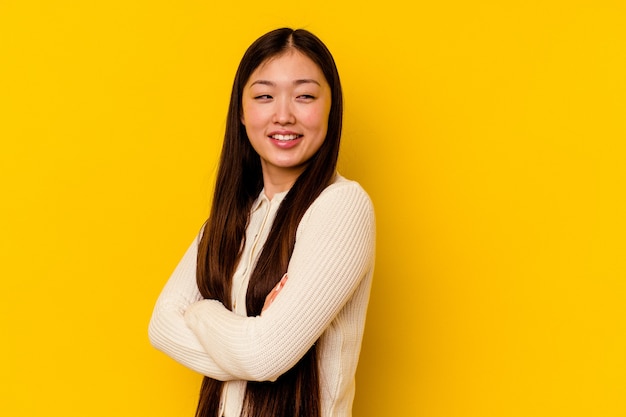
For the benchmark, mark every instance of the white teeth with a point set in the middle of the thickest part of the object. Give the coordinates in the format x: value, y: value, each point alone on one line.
x: 285, y: 137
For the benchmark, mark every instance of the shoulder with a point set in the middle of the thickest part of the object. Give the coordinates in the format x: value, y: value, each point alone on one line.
x: 348, y: 187
x: 342, y: 196
x: 344, y: 191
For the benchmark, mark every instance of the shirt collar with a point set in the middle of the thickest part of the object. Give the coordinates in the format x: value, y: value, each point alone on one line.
x: 262, y: 198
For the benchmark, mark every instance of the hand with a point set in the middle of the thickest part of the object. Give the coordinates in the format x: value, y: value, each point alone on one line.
x: 274, y: 293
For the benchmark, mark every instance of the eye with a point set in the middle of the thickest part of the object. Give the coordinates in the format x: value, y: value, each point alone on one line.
x: 306, y: 97
x: 263, y: 97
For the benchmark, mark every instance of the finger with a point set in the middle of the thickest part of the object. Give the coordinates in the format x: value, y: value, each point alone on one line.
x: 269, y: 299
x: 279, y: 285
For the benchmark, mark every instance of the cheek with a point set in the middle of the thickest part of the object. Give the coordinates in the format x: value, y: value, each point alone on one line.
x: 251, y: 117
x: 316, y: 119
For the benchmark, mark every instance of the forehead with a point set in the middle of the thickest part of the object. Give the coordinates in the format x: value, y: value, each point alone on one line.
x: 288, y: 66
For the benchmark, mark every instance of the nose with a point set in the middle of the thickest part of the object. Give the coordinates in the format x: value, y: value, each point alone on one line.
x: 283, y: 112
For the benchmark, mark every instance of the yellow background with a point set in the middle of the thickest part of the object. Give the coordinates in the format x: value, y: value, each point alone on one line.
x: 490, y: 135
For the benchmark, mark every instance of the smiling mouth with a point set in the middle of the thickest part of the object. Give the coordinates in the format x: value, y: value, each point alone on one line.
x: 285, y: 137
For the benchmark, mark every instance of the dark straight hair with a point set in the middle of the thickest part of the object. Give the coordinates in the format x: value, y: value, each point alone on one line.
x: 239, y: 182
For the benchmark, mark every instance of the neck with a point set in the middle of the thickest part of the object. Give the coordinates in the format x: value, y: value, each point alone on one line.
x: 273, y: 186
x: 279, y: 180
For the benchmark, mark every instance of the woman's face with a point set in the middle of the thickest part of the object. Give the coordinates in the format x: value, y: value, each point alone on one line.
x: 286, y: 103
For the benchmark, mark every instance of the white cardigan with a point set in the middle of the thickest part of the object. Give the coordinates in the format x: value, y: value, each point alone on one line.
x: 325, y: 298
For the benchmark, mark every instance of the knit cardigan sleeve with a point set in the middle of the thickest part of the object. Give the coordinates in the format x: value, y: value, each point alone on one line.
x: 334, y: 251
x: 167, y: 330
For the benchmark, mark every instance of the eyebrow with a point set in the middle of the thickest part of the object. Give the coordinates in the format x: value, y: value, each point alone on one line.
x: 296, y: 82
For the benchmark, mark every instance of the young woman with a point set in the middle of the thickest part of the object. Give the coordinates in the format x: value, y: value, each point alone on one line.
x: 269, y: 302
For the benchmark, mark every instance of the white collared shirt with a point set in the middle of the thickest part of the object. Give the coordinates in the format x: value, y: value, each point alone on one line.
x: 324, y: 302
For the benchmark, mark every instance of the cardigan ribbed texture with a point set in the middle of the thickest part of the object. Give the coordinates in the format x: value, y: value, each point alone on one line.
x: 324, y: 300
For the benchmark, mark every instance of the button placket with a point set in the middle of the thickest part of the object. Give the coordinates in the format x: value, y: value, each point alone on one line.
x: 243, y: 285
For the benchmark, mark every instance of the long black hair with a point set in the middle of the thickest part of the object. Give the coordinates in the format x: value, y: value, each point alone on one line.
x: 239, y: 182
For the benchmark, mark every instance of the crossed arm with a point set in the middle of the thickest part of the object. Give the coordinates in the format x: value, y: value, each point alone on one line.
x: 334, y: 251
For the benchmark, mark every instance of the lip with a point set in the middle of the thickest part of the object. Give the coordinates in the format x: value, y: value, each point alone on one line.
x: 284, y: 133
x: 285, y: 143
